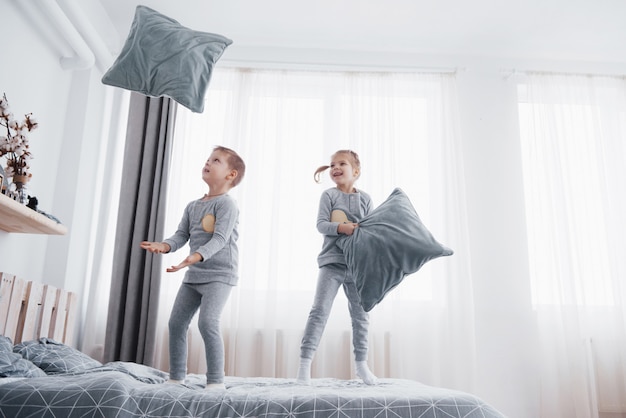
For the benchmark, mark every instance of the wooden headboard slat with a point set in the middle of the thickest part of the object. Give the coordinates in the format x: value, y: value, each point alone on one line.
x: 29, y: 325
x: 70, y: 318
x: 47, y: 306
x: 59, y: 315
x: 12, y: 322
x: 6, y: 287
x: 31, y: 310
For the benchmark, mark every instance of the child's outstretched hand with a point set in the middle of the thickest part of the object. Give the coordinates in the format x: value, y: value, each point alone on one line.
x: 155, y: 247
x: 191, y: 259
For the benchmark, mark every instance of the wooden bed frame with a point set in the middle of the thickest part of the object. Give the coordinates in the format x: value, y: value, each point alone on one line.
x: 30, y: 310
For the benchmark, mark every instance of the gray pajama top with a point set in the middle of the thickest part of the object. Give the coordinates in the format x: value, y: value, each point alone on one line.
x: 211, y: 228
x: 354, y: 205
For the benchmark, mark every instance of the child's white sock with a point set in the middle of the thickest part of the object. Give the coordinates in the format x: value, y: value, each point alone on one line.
x: 304, y: 371
x: 175, y: 382
x: 363, y: 371
x: 215, y: 386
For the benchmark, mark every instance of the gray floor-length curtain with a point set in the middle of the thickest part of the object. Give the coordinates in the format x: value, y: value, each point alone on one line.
x: 136, y: 277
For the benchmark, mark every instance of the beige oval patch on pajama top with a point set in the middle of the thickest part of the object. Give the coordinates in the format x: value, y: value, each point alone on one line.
x: 338, y: 216
x: 208, y: 223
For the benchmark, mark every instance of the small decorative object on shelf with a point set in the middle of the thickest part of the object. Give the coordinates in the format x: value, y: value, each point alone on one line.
x: 18, y: 188
x: 14, y: 146
x: 32, y: 202
x: 2, y: 186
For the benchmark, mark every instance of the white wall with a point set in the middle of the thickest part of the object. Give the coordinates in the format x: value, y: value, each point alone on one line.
x: 69, y: 106
x: 33, y: 81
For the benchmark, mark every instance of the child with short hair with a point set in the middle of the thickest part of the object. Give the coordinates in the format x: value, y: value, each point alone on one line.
x: 210, y: 225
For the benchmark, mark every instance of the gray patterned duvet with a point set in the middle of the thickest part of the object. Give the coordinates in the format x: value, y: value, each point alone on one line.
x: 46, y: 379
x: 128, y: 390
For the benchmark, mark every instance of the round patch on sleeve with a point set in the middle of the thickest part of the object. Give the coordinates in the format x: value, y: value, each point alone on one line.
x: 208, y: 223
x: 338, y: 216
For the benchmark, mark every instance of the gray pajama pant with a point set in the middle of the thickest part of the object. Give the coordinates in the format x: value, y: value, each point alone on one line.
x: 210, y: 299
x: 328, y: 281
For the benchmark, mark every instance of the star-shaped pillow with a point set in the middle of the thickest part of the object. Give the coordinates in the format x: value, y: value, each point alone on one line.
x: 163, y: 58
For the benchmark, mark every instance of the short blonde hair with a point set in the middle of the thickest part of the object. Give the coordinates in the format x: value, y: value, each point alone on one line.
x: 235, y: 162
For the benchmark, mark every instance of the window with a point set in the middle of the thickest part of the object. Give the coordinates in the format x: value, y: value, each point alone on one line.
x: 572, y: 136
x: 293, y: 125
x: 574, y: 165
x: 285, y: 124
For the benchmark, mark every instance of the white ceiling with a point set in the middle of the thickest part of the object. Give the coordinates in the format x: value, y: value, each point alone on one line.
x: 581, y: 30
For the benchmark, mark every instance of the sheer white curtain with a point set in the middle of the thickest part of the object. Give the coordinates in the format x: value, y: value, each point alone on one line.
x: 104, y: 219
x: 573, y: 131
x: 285, y: 124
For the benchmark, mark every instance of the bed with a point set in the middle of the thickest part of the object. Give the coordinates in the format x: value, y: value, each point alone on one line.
x: 46, y: 377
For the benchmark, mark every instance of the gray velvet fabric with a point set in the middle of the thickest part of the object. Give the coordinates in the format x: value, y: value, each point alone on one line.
x: 163, y: 58
x: 133, y: 304
x: 390, y: 243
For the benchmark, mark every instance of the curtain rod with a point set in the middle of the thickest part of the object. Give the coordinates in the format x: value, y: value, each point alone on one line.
x: 333, y: 66
x: 508, y: 73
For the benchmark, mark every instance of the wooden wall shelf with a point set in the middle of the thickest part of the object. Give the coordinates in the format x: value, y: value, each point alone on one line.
x: 15, y: 217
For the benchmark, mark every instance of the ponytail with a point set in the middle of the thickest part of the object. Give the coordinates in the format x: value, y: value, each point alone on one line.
x: 319, y: 171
